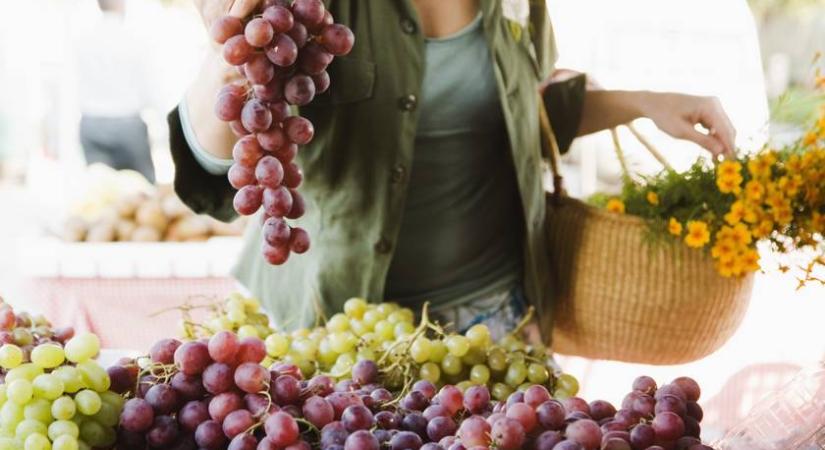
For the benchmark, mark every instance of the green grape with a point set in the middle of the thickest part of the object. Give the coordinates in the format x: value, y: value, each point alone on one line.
x: 267, y: 361
x: 306, y: 366
x: 63, y: 408
x: 475, y: 355
x: 20, y: 391
x: 251, y: 303
x: 88, y: 402
x: 65, y: 443
x: 63, y: 428
x: 561, y: 394
x: 300, y: 333
x: 276, y: 345
x: 82, y: 347
x: 420, y: 349
x: 108, y: 415
x: 11, y: 356
x: 83, y: 446
x: 345, y: 360
x: 10, y: 443
x: 385, y: 330
x: 437, y: 351
x: 22, y: 337
x: 325, y: 353
x: 355, y: 307
x: 430, y: 371
x: 37, y: 441
x: 236, y: 316
x: 257, y: 318
x: 567, y: 383
x: 523, y: 386
x: 27, y: 427
x: 71, y: 378
x: 537, y: 373
x: 451, y: 365
x: 343, y: 342
x: 25, y: 371
x: 479, y: 336
x: 48, y: 356
x: 371, y: 340
x: 480, y: 374
x: 338, y: 323
x: 397, y: 317
x: 11, y: 414
x: 247, y: 331
x: 38, y: 409
x: 304, y: 347
x: 366, y: 354
x: 114, y: 399
x: 464, y: 385
x: 501, y: 391
x: 497, y: 359
x: 516, y: 374
x: 94, y: 376
x: 96, y: 434
x: 371, y: 317
x: 457, y: 345
x: 358, y: 327
x: 385, y: 309
x: 3, y: 396
x: 47, y: 386
x: 403, y: 329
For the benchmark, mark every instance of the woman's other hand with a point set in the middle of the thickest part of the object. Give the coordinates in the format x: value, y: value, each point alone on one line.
x: 678, y: 115
x: 212, y: 10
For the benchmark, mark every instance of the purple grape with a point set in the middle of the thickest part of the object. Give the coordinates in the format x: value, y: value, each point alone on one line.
x: 279, y: 17
x: 644, y: 405
x: 318, y: 411
x: 277, y: 202
x: 361, y: 440
x: 690, y: 387
x: 585, y: 432
x: 338, y: 39
x: 670, y: 389
x: 615, y: 444
x: 645, y: 385
x: 299, y: 90
x: 415, y: 401
x: 405, y: 440
x: 668, y: 426
x: 642, y: 436
x: 548, y: 440
x: 256, y: 116
x: 672, y: 404
x: 209, y: 435
x: 137, y: 415
x: 243, y: 442
x: 551, y: 415
x: 387, y: 420
x: 193, y: 414
x: 416, y: 423
x: 364, y: 371
x: 600, y: 409
x: 333, y: 433
x: 694, y: 410
x: 217, y: 378
x: 164, y: 432
x: 568, y: 445
x: 357, y: 417
x: 477, y: 399
x: 440, y: 427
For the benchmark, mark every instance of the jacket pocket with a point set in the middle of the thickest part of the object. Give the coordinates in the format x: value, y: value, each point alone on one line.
x: 351, y: 80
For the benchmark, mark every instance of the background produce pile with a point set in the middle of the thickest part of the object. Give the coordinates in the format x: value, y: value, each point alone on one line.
x: 235, y: 390
x: 143, y: 215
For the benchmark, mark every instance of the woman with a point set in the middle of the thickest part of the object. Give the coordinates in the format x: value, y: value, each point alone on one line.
x: 423, y: 181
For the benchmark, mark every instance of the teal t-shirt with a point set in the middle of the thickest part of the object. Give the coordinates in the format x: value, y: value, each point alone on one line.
x: 462, y: 227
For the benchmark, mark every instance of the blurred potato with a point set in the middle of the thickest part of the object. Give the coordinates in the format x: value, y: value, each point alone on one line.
x: 124, y: 230
x: 146, y: 233
x: 74, y: 229
x: 102, y: 231
x: 151, y: 214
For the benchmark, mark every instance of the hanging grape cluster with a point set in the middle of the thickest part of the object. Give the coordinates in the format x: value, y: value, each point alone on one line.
x: 282, y: 54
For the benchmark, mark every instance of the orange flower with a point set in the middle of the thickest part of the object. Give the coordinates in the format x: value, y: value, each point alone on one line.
x: 698, y: 234
x: 615, y: 205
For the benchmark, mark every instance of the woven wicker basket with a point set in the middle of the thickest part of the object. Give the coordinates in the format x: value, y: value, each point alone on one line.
x: 620, y: 297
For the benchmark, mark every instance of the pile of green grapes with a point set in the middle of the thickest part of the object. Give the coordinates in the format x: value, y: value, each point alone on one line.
x: 54, y: 395
x: 238, y: 314
x: 405, y: 350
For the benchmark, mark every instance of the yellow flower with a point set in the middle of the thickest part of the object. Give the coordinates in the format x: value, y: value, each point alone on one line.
x: 809, y: 139
x: 674, y: 227
x: 728, y: 168
x: 760, y: 167
x: 723, y: 250
x: 728, y: 268
x: 652, y: 198
x: 615, y: 205
x: 764, y: 229
x: 754, y: 190
x: 783, y: 215
x: 817, y: 223
x: 749, y: 260
x: 737, y: 211
x: 698, y: 234
x: 752, y: 213
x: 740, y: 235
x: 790, y: 185
x: 729, y: 184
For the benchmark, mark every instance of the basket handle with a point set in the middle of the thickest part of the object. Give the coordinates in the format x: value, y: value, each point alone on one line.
x: 554, y: 154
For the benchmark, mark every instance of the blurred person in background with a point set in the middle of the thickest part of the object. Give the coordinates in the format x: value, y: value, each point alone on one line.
x: 112, y: 90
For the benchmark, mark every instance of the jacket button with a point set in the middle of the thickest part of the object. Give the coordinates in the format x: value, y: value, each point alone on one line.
x: 407, y: 102
x: 398, y: 173
x: 382, y: 246
x: 407, y: 25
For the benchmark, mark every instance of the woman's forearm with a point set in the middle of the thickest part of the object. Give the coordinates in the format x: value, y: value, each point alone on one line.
x: 213, y: 135
x: 608, y: 109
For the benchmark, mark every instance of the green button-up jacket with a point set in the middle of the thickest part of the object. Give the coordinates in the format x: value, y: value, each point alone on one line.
x: 355, y: 168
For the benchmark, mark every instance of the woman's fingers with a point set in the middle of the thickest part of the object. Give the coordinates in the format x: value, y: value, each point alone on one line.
x: 719, y: 125
x: 709, y: 142
x: 243, y: 8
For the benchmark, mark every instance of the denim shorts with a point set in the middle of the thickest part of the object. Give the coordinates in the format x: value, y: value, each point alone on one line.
x: 501, y: 312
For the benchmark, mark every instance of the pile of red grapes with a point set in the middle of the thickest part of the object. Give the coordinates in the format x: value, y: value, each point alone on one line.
x: 27, y: 331
x: 214, y: 394
x: 282, y: 54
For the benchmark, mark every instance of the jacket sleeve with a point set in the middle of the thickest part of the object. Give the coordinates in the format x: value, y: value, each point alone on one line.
x: 203, y: 192
x: 564, y: 101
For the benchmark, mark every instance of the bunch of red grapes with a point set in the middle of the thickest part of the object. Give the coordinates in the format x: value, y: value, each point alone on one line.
x: 214, y: 394
x: 282, y: 54
x: 27, y: 331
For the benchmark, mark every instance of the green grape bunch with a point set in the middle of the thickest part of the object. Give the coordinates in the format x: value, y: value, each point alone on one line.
x: 56, y: 398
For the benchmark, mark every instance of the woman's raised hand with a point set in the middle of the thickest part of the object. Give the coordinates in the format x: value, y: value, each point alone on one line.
x: 212, y: 10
